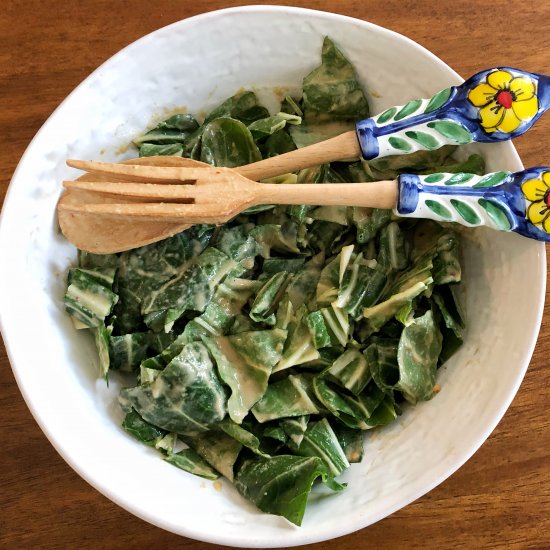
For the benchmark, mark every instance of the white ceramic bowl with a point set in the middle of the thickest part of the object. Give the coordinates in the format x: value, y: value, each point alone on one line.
x: 196, y: 63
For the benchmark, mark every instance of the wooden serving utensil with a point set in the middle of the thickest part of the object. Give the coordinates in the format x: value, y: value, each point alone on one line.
x: 494, y: 105
x: 200, y: 193
x: 104, y: 234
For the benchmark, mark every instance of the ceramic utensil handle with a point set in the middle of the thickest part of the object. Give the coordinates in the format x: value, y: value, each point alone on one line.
x: 508, y: 201
x: 493, y: 105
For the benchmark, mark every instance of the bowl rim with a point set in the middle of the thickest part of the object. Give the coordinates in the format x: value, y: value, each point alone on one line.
x: 220, y: 539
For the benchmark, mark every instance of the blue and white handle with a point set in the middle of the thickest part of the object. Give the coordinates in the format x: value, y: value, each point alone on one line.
x: 507, y: 201
x: 493, y: 105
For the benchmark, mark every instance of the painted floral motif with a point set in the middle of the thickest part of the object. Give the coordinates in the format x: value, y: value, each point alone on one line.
x: 538, y: 192
x: 505, y: 101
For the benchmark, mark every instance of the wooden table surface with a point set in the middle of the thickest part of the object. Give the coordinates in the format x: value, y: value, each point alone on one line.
x: 499, y: 499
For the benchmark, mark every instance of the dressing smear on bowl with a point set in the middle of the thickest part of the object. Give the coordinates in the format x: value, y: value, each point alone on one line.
x: 264, y: 349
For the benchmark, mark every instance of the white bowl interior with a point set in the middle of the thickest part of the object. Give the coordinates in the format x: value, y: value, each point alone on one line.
x: 195, y: 64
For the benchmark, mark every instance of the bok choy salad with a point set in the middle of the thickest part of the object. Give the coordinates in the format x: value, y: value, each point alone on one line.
x: 265, y: 349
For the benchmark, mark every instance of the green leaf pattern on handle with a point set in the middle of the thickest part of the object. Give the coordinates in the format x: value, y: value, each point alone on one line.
x: 439, y: 210
x: 387, y: 115
x: 424, y: 139
x: 425, y: 136
x: 496, y: 213
x: 407, y: 110
x: 437, y: 100
x: 434, y: 178
x: 451, y: 130
x: 459, y: 178
x: 397, y: 114
x: 467, y: 212
x: 414, y: 108
x: 400, y: 144
x: 490, y: 180
x: 470, y: 210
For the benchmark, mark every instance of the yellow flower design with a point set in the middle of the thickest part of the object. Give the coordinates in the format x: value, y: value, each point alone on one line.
x: 538, y: 192
x: 505, y: 101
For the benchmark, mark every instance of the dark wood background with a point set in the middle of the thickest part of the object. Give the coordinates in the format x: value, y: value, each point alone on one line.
x: 499, y: 499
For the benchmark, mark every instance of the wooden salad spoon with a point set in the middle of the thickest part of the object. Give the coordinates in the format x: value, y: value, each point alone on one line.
x: 493, y: 105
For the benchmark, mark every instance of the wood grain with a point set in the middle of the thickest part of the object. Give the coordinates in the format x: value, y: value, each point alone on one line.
x: 499, y: 499
x: 342, y: 147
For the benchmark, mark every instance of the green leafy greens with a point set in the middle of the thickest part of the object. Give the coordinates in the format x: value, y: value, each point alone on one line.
x: 268, y: 346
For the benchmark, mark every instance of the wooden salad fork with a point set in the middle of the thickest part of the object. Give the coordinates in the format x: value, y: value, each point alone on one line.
x: 138, y: 194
